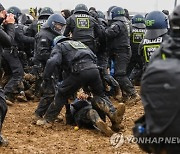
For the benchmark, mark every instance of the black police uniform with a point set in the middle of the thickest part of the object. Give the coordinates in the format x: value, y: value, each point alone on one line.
x: 84, y: 28
x: 11, y: 55
x: 160, y: 94
x: 159, y: 91
x: 7, y: 33
x: 149, y: 46
x: 156, y: 33
x: 118, y: 37
x: 79, y: 62
x: 43, y: 47
x: 137, y: 34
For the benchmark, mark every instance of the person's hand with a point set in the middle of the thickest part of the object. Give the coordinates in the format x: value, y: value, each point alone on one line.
x: 81, y: 95
x: 9, y: 19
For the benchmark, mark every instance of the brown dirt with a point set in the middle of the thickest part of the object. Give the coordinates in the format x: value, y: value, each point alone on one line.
x: 26, y: 138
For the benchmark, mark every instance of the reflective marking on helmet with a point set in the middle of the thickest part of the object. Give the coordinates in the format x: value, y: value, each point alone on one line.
x: 121, y: 12
x: 137, y: 37
x: 77, y: 44
x: 149, y: 50
x: 149, y: 22
x: 163, y: 56
x: 82, y: 22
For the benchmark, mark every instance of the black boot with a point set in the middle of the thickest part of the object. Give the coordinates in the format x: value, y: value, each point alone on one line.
x: 99, y: 123
x: 114, y: 114
x: 3, y: 141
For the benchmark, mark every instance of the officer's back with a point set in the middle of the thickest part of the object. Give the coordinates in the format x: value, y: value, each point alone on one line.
x: 73, y: 53
x: 82, y: 26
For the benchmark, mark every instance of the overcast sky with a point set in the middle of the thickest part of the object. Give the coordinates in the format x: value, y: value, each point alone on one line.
x: 103, y: 5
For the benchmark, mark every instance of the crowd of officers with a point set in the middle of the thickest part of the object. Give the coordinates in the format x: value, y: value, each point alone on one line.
x: 78, y: 59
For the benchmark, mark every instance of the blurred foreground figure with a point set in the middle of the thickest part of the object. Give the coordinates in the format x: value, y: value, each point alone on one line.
x: 160, y: 87
x: 6, y: 38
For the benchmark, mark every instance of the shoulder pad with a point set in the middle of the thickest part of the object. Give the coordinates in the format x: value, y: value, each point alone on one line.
x: 77, y: 44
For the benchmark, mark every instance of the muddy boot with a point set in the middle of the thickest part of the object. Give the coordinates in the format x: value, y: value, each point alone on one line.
x: 10, y: 97
x: 44, y: 123
x: 29, y: 94
x: 9, y: 103
x: 99, y: 123
x: 21, y: 97
x: 3, y: 141
x: 114, y: 114
x: 35, y: 118
x: 134, y: 98
x: 29, y: 77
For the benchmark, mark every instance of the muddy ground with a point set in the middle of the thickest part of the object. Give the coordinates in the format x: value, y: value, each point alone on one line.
x: 26, y: 138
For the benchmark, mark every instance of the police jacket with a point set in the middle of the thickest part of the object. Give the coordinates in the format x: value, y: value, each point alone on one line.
x: 102, y: 41
x: 160, y: 90
x: 43, y: 44
x: 68, y: 54
x: 137, y: 34
x: 33, y: 28
x: 149, y: 46
x: 84, y: 28
x: 20, y: 38
x: 7, y: 34
x: 118, y: 35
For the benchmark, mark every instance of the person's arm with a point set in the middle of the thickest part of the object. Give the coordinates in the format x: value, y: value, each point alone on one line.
x: 68, y: 29
x: 8, y: 33
x: 54, y: 61
x: 22, y: 37
x: 112, y: 31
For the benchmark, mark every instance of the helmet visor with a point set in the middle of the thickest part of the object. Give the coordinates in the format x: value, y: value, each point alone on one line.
x: 59, y: 28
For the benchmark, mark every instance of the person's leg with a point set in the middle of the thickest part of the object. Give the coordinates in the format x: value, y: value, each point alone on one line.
x: 3, y: 111
x: 98, y: 123
x: 46, y: 99
x: 65, y: 89
x: 14, y: 85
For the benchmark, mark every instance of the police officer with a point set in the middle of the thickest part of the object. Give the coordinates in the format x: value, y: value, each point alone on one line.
x: 137, y: 34
x: 36, y: 25
x: 118, y: 37
x: 43, y: 45
x: 14, y: 87
x: 156, y: 32
x: 83, y: 27
x: 103, y: 60
x: 6, y: 39
x: 79, y: 63
x: 160, y: 94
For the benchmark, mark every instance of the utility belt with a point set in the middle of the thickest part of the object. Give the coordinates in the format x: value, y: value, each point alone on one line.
x: 81, y: 65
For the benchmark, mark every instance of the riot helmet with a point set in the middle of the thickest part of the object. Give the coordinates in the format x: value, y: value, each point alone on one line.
x: 15, y: 10
x: 93, y: 13
x: 138, y: 21
x: 101, y: 14
x: 59, y: 39
x: 45, y: 13
x: 174, y: 18
x: 56, y: 23
x: 156, y: 24
x: 81, y: 8
x: 118, y: 13
x: 108, y: 12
